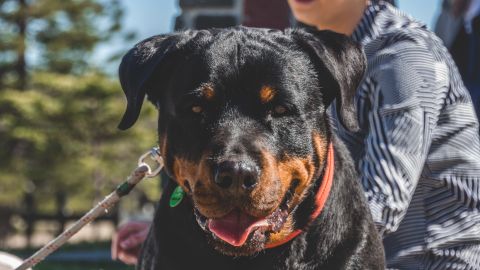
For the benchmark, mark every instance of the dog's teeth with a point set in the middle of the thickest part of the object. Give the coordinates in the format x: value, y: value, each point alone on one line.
x: 201, y: 220
x: 202, y: 224
x: 214, y: 236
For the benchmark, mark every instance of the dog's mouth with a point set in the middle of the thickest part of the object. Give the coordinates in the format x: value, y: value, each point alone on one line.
x: 237, y: 227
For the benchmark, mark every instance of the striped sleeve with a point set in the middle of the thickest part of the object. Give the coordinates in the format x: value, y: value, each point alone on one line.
x: 398, y: 108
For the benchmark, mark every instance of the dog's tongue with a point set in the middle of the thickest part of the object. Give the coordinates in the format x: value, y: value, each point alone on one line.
x: 235, y: 227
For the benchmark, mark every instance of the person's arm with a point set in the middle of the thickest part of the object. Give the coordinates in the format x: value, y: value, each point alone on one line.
x: 399, y: 105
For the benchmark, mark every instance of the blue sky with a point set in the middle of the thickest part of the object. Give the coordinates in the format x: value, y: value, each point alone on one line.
x: 147, y: 17
x: 150, y: 17
x: 423, y: 10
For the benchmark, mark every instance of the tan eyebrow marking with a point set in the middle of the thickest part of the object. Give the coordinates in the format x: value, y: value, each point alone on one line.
x: 267, y: 93
x: 208, y: 91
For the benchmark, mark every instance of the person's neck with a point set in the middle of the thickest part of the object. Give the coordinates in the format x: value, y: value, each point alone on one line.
x: 346, y: 21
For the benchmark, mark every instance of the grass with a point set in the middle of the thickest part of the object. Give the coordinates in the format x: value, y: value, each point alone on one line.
x: 82, y: 266
x: 56, y: 264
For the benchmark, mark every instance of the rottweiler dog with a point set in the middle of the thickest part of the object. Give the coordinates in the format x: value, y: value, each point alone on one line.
x: 246, y: 139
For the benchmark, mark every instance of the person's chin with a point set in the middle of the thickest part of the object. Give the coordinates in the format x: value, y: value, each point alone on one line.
x: 304, y: 9
x: 303, y: 1
x: 301, y: 4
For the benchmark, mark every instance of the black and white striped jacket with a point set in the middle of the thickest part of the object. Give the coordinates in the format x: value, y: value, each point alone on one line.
x: 418, y: 150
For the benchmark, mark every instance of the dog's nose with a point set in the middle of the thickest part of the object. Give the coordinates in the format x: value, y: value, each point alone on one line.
x: 236, y: 174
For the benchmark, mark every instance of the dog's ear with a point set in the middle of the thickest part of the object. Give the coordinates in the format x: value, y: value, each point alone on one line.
x: 345, y: 62
x: 138, y: 66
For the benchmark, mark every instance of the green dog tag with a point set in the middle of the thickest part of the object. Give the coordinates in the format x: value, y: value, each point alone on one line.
x: 177, y: 196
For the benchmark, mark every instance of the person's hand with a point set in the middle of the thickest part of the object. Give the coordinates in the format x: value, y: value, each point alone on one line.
x: 126, y: 243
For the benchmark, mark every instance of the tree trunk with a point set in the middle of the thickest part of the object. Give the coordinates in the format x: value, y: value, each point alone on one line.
x: 21, y: 64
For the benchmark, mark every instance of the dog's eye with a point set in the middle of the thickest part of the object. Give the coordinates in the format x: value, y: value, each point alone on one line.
x: 197, y: 109
x: 279, y: 110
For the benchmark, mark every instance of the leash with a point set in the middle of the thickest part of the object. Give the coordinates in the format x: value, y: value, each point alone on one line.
x: 142, y: 171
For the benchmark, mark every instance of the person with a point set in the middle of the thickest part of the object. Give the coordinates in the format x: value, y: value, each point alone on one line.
x: 458, y: 25
x: 418, y: 148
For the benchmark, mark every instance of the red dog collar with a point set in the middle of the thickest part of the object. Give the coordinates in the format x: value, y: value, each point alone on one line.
x: 320, y: 197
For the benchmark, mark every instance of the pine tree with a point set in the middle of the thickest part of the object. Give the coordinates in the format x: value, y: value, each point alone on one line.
x: 59, y: 136
x: 62, y: 34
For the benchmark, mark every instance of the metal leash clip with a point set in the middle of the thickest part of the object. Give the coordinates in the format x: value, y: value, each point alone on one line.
x: 154, y: 155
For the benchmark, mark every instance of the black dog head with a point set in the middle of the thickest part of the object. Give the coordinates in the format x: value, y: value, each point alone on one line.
x: 243, y: 127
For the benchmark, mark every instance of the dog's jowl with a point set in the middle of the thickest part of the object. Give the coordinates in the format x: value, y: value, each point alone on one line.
x: 244, y: 132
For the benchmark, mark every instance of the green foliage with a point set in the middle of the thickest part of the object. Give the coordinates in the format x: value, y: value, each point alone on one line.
x: 61, y: 34
x: 52, y: 264
x: 58, y: 115
x: 83, y: 266
x: 68, y: 31
x: 61, y: 136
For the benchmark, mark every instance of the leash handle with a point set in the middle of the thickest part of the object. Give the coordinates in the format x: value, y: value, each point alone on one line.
x: 142, y: 171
